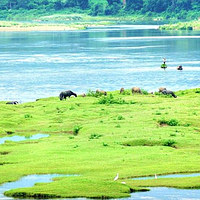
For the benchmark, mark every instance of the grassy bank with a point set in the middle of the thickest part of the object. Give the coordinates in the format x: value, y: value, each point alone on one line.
x: 192, y: 25
x: 97, y: 137
x: 40, y: 26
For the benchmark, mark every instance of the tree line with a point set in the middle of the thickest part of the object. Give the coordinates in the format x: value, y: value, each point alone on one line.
x: 108, y: 7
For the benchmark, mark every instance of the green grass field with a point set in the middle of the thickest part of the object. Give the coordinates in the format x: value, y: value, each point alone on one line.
x: 98, y: 137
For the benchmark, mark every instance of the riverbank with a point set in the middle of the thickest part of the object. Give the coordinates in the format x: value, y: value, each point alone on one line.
x: 97, y: 137
x: 41, y: 26
x: 192, y: 25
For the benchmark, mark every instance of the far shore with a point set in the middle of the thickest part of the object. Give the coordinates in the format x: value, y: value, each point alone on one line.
x: 38, y: 28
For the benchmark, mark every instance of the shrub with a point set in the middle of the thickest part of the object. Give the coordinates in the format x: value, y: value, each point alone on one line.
x: 77, y: 128
x: 95, y: 136
x: 126, y: 92
x: 91, y: 93
x: 111, y: 100
x: 120, y: 117
x: 10, y: 132
x: 142, y: 142
x: 26, y: 116
x: 145, y: 92
x: 169, y: 143
x: 105, y: 144
x: 171, y: 122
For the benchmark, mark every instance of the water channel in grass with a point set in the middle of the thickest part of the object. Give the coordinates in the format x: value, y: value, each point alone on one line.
x: 155, y: 193
x: 17, y: 138
x: 28, y: 181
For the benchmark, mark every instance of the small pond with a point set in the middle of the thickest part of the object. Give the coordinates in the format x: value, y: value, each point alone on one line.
x: 17, y: 138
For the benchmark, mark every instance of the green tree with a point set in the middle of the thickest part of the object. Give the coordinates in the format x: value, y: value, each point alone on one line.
x: 4, y: 4
x: 134, y: 4
x: 98, y: 9
x: 111, y: 2
x: 113, y: 9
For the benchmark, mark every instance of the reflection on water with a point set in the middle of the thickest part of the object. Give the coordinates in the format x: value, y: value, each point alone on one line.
x: 42, y: 64
x: 17, y: 138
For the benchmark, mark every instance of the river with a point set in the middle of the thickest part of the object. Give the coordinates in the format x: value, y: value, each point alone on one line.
x: 42, y: 64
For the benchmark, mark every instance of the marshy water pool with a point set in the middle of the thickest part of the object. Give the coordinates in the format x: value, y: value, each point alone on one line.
x: 42, y: 64
x: 28, y: 181
x: 155, y: 193
x: 17, y: 138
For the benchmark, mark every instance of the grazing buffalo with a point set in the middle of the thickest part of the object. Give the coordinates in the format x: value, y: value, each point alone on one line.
x: 179, y: 67
x: 83, y: 95
x: 136, y: 90
x: 121, y: 90
x: 12, y: 102
x: 101, y: 92
x: 65, y: 94
x: 166, y: 92
x: 161, y: 89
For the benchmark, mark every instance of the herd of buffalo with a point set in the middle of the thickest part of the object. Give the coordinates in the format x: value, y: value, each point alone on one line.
x: 69, y: 93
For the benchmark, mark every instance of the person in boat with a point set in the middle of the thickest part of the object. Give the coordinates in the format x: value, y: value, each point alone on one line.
x: 164, y: 66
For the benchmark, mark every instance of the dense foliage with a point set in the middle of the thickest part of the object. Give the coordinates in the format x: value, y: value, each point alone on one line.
x: 168, y: 8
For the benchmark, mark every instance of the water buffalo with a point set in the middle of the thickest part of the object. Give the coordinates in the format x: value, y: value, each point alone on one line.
x: 169, y: 92
x: 101, y: 92
x: 136, y: 90
x: 83, y: 95
x: 65, y: 94
x: 179, y: 67
x: 121, y: 90
x: 12, y: 102
x: 161, y: 89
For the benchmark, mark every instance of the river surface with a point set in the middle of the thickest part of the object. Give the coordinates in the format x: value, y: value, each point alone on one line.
x: 42, y: 64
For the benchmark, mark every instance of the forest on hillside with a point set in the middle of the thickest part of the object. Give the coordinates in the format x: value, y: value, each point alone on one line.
x: 180, y: 9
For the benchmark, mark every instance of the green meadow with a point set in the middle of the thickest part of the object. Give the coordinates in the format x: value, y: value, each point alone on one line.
x: 97, y: 137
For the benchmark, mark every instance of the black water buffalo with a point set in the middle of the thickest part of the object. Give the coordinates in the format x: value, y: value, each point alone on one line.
x: 65, y: 94
x: 169, y: 92
x: 161, y: 89
x: 179, y: 67
x: 12, y: 102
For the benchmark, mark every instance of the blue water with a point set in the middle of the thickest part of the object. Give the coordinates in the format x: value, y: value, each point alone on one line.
x: 42, y: 64
x: 27, y: 181
x: 17, y: 138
